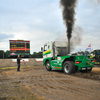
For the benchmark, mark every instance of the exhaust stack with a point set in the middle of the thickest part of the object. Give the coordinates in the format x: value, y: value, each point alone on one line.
x: 68, y: 46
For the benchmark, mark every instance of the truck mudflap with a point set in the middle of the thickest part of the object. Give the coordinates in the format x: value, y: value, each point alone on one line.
x: 84, y: 64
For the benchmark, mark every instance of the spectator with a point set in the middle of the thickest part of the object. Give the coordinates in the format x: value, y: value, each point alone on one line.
x: 18, y: 63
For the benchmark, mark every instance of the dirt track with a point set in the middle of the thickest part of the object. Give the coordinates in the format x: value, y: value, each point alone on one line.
x: 53, y: 85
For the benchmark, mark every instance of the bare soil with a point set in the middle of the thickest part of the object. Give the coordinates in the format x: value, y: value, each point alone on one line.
x: 36, y: 83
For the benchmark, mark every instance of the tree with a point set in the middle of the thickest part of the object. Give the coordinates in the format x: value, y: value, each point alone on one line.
x: 1, y: 54
x: 37, y: 55
x: 6, y: 54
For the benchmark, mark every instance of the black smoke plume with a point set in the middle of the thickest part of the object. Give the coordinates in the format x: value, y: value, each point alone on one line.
x: 75, y: 40
x: 68, y: 15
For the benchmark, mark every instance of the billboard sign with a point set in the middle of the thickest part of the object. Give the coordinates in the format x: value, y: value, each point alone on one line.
x: 19, y: 47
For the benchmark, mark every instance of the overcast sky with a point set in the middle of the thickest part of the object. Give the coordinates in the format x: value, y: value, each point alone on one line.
x: 40, y: 21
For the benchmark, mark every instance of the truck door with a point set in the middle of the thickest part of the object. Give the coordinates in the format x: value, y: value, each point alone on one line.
x: 47, y: 51
x: 44, y: 52
x: 56, y: 63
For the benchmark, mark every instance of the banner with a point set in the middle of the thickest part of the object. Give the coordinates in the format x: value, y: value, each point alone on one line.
x: 22, y: 60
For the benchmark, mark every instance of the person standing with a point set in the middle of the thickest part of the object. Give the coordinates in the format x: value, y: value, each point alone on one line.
x: 18, y: 63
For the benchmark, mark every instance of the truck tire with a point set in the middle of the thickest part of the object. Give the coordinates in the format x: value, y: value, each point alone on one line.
x: 69, y: 67
x: 47, y: 65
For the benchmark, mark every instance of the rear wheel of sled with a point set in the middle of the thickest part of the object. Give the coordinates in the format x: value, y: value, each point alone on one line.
x: 69, y: 67
x: 47, y: 65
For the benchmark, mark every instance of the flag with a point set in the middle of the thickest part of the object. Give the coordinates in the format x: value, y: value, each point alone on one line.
x: 88, y: 48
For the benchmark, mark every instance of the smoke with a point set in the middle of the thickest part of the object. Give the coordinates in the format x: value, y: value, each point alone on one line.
x: 98, y: 1
x: 68, y: 15
x: 95, y: 1
x: 77, y: 37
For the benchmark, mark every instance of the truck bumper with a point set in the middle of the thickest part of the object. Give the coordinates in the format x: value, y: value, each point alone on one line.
x: 85, y: 67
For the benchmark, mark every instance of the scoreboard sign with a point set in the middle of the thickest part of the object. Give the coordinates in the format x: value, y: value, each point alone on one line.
x: 19, y: 47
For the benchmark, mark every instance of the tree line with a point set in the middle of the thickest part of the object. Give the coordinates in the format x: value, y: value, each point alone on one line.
x: 5, y: 54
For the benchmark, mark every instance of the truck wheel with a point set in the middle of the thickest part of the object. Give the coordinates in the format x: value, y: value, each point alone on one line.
x: 69, y: 67
x: 48, y: 66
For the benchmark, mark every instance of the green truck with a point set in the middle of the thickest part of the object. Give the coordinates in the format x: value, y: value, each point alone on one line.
x: 96, y: 55
x: 55, y: 56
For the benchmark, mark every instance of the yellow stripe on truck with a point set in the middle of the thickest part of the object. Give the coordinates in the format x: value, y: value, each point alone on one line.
x: 46, y: 52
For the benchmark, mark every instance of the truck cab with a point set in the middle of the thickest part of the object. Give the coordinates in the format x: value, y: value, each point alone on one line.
x: 56, y: 48
x: 55, y: 56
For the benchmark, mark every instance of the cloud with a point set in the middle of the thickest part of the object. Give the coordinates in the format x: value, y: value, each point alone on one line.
x: 40, y: 21
x: 4, y: 36
x: 4, y: 41
x: 37, y: 38
x: 87, y: 39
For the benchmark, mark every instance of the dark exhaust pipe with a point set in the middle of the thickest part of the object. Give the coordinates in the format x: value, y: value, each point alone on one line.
x: 68, y: 46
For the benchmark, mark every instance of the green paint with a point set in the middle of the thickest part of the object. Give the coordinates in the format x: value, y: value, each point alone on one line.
x: 28, y: 50
x: 58, y: 63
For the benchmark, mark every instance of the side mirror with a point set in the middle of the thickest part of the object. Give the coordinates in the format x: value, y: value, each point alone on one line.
x: 41, y: 49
